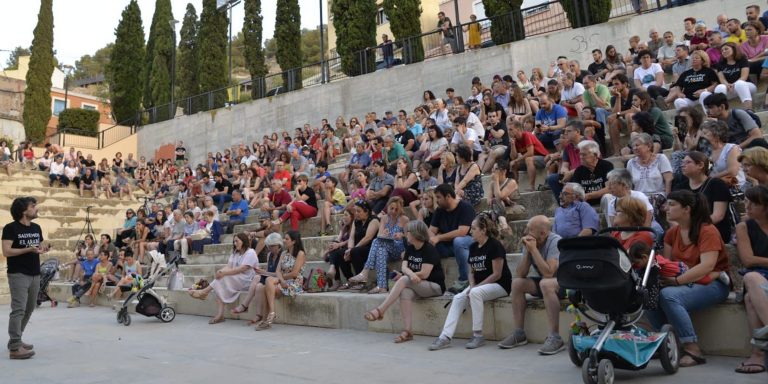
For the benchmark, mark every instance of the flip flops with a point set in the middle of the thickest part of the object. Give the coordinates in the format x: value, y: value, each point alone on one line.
x: 750, y: 368
x: 698, y: 360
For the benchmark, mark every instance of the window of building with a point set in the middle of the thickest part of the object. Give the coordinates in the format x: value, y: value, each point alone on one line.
x: 58, y: 106
x: 479, y: 9
x: 89, y: 107
x: 381, y: 18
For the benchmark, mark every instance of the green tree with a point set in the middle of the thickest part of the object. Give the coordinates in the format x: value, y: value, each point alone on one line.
x: 126, y: 63
x: 288, y: 37
x: 310, y: 45
x: 93, y: 65
x: 270, y: 48
x: 188, y: 59
x: 13, y: 59
x: 159, y: 43
x: 405, y: 21
x: 253, y: 49
x: 37, y: 96
x: 506, y: 20
x: 355, y: 24
x: 213, y: 53
x: 587, y: 12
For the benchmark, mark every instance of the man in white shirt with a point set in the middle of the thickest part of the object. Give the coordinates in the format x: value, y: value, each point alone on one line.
x: 248, y: 158
x: 57, y: 172
x: 441, y: 116
x: 666, y: 55
x: 473, y: 122
x: 464, y: 135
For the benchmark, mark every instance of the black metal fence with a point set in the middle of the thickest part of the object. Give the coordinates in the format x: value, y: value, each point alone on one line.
x: 72, y: 137
x: 517, y: 25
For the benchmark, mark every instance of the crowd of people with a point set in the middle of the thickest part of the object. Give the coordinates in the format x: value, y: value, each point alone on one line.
x: 412, y: 190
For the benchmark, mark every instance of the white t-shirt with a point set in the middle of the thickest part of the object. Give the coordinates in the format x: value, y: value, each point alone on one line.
x: 634, y: 194
x: 473, y: 122
x: 647, y: 77
x: 248, y: 160
x: 470, y: 135
x: 57, y: 168
x: 573, y: 92
x: 649, y: 179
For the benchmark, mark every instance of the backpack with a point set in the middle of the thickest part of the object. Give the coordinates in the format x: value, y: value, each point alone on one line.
x: 754, y: 117
x: 315, y: 281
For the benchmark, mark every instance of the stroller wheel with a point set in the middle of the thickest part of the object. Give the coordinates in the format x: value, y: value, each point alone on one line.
x: 576, y: 359
x: 127, y: 320
x: 167, y: 315
x: 669, y: 353
x: 605, y: 372
x: 120, y: 317
x: 588, y: 372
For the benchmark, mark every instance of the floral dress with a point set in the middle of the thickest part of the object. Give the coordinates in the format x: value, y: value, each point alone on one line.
x: 295, y: 286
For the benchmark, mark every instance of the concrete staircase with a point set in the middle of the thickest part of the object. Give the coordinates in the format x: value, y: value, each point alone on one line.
x: 62, y: 213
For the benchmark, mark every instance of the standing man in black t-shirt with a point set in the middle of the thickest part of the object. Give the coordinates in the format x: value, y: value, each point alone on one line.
x: 181, y: 154
x: 22, y: 246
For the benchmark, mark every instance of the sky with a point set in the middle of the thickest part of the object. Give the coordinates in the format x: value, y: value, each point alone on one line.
x: 83, y: 26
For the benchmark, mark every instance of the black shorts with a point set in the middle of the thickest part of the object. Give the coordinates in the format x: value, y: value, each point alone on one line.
x: 537, y: 280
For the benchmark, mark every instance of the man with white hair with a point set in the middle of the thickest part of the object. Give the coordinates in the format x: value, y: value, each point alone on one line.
x: 535, y: 275
x: 440, y: 115
x: 593, y: 172
x: 722, y: 25
x: 574, y: 217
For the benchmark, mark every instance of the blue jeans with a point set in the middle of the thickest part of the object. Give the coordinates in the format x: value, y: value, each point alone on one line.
x: 553, y: 181
x: 459, y: 248
x: 548, y: 138
x: 219, y: 200
x: 676, y: 303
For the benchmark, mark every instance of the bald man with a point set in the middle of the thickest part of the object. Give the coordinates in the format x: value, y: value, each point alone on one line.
x: 540, y: 251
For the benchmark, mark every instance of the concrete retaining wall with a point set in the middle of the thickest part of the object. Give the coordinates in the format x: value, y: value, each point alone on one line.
x: 401, y: 87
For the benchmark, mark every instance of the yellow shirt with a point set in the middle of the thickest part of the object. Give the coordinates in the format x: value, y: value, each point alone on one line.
x: 339, y: 198
x: 737, y: 39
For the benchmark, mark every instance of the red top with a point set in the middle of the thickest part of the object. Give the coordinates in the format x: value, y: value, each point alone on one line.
x: 285, y: 176
x: 280, y: 198
x: 528, y: 139
x: 641, y: 236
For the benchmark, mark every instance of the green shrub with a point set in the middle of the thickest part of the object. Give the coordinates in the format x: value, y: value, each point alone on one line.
x: 597, y: 11
x: 84, y: 120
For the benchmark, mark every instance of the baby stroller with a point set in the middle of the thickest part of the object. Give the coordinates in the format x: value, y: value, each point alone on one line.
x: 603, y: 288
x: 149, y: 302
x: 48, y: 271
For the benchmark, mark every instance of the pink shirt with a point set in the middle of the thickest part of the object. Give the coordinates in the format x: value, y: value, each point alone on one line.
x: 751, y: 51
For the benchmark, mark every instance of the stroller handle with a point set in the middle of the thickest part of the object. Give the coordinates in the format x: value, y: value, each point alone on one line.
x: 626, y: 229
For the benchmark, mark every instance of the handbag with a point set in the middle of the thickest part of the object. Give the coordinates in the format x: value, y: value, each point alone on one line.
x: 200, y: 234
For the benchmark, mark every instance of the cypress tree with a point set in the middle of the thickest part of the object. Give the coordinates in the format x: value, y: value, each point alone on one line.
x: 126, y: 62
x: 213, y: 53
x: 254, y: 51
x: 405, y: 21
x: 37, y: 96
x: 587, y: 12
x: 288, y: 37
x: 355, y: 24
x: 188, y: 60
x: 159, y: 43
x: 507, y: 20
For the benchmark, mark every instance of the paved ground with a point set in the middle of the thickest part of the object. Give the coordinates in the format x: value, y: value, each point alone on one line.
x: 86, y: 345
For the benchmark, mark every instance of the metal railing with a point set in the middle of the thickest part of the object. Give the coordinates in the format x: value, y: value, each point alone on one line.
x: 517, y: 25
x: 74, y: 137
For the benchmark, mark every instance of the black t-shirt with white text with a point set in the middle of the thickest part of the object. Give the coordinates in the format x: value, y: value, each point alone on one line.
x: 593, y: 181
x: 23, y: 237
x: 403, y: 138
x: 426, y: 255
x: 481, y: 262
x: 732, y: 72
x: 691, y: 81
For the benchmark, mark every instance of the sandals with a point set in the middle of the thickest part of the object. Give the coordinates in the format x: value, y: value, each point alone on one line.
x: 377, y: 290
x: 750, y: 368
x: 697, y: 360
x: 267, y: 323
x: 255, y: 321
x: 216, y: 320
x: 345, y: 287
x: 239, y: 309
x: 359, y: 279
x: 403, y: 337
x: 374, y: 316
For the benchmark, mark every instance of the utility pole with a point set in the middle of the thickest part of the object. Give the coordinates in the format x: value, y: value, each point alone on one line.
x: 322, y: 46
x: 67, y: 71
x: 229, y: 4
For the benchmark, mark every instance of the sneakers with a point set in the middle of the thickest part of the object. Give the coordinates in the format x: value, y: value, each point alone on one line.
x: 552, y: 345
x: 440, y: 343
x: 73, y: 302
x: 475, y: 342
x: 21, y: 354
x: 516, y: 339
x: 458, y: 286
